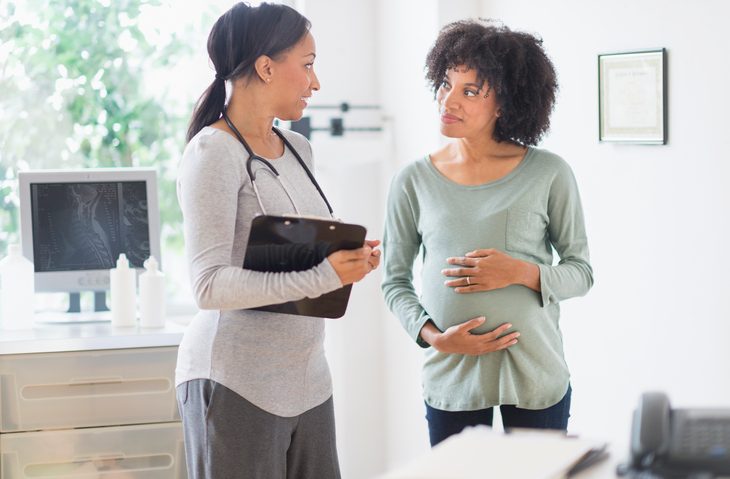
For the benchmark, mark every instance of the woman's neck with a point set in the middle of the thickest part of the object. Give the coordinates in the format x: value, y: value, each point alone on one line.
x: 484, y: 149
x: 476, y: 163
x: 249, y: 113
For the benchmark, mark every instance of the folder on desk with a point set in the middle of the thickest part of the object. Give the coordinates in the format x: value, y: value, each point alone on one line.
x: 295, y: 243
x: 479, y: 452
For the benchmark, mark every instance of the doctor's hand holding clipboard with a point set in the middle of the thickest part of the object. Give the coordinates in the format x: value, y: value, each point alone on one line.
x: 295, y: 243
x: 353, y: 265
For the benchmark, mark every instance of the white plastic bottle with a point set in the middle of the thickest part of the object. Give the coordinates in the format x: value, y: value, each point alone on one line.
x: 123, y: 291
x: 17, y: 289
x: 151, y: 296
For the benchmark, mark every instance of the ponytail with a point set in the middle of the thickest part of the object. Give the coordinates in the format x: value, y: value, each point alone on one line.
x: 209, y: 107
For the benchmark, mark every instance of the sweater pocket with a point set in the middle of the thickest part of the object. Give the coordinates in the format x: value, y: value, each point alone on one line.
x: 526, y: 232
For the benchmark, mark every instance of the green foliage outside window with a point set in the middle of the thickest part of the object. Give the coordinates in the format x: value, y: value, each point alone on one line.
x: 74, y: 92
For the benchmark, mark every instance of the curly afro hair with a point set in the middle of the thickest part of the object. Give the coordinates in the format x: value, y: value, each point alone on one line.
x: 513, y: 64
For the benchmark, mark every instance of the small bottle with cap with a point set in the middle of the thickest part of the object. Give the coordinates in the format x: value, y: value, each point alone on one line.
x: 123, y: 291
x: 16, y: 290
x: 152, y: 295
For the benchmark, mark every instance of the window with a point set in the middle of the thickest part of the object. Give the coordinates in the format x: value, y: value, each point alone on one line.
x: 101, y: 83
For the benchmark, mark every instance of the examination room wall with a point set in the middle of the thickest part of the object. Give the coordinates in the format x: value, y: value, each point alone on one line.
x: 373, y: 57
x: 352, y: 169
x: 657, y: 317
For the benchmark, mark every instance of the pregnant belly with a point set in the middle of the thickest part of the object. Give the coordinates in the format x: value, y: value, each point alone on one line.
x: 514, y: 304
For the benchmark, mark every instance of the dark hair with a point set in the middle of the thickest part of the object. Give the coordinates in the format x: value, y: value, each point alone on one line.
x: 514, y: 65
x: 238, y: 38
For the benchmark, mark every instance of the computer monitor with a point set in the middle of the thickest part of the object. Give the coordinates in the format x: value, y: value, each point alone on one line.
x: 75, y: 223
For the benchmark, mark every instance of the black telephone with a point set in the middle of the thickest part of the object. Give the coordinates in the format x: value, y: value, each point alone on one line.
x: 678, y: 443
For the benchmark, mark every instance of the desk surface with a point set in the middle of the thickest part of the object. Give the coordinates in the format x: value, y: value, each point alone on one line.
x: 50, y: 338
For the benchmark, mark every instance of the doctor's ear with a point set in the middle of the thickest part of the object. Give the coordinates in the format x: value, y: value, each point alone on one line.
x: 264, y: 68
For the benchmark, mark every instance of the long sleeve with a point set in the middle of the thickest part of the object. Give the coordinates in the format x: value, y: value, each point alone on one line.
x: 210, y: 186
x: 573, y: 275
x: 401, y: 243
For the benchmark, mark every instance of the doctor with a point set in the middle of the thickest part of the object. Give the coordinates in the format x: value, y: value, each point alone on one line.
x: 254, y: 388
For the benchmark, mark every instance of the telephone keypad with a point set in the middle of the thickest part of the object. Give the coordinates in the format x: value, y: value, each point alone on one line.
x: 707, y: 437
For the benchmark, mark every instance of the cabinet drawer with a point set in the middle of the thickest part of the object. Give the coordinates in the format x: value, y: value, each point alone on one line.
x: 87, y: 389
x: 152, y: 451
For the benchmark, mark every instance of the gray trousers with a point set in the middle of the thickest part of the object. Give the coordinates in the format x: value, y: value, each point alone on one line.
x: 228, y: 437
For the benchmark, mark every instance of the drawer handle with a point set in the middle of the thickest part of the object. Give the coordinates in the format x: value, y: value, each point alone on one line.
x: 99, y: 465
x: 93, y: 388
x: 110, y: 379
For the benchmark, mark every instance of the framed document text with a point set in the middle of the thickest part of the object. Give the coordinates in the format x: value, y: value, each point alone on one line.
x: 632, y: 97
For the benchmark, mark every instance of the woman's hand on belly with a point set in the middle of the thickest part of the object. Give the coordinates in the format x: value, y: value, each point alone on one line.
x: 460, y: 340
x: 489, y: 269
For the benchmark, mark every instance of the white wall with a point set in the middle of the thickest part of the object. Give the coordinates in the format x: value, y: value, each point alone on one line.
x: 406, y: 29
x: 658, y: 316
x: 350, y: 170
x: 375, y: 56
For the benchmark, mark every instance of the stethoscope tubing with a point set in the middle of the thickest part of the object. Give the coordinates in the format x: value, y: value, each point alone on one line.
x: 272, y: 170
x: 273, y: 173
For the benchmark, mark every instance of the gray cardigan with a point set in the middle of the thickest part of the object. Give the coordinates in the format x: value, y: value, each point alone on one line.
x: 276, y: 361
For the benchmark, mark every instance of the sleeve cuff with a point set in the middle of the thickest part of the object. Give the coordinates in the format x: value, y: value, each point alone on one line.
x: 546, y: 293
x: 423, y: 319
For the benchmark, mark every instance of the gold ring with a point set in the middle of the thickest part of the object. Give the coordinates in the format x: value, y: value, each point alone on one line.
x: 468, y: 282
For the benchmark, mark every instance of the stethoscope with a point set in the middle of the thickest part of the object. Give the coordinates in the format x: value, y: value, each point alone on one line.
x: 271, y: 170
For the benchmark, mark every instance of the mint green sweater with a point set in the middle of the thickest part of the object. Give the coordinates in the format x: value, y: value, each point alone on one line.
x: 527, y: 213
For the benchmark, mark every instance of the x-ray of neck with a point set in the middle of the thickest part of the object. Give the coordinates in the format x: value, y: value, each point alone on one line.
x: 81, y: 226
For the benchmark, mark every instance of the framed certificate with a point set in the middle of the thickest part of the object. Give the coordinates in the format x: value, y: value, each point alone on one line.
x: 632, y: 97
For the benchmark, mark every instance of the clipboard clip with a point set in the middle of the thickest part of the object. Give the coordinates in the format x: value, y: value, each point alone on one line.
x: 310, y: 217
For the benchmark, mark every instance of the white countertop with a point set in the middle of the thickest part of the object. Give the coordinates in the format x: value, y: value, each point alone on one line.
x: 49, y: 338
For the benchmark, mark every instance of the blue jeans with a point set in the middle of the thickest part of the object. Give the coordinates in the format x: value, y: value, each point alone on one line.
x: 442, y: 424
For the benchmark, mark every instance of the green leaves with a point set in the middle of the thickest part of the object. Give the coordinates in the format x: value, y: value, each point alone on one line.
x: 74, y: 92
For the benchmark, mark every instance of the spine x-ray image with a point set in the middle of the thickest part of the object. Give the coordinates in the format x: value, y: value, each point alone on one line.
x: 83, y: 226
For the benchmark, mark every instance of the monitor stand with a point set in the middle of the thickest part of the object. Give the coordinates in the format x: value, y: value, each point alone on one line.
x: 74, y: 315
x: 74, y: 302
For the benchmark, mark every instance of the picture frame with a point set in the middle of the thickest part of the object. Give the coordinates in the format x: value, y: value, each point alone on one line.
x: 632, y: 97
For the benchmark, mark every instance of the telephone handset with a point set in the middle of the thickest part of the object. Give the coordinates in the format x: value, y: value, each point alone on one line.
x: 650, y: 429
x: 679, y: 443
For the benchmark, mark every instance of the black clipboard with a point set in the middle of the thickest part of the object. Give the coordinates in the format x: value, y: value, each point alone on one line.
x: 293, y: 243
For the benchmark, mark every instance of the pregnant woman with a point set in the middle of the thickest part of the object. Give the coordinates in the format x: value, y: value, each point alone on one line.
x: 486, y: 211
